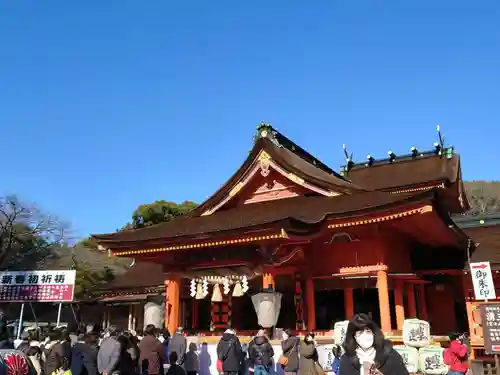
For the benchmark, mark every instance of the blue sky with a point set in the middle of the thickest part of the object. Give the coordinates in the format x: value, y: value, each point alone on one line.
x: 105, y: 105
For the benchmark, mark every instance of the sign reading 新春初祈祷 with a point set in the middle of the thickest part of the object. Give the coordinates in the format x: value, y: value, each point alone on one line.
x: 37, y: 286
x: 482, y: 280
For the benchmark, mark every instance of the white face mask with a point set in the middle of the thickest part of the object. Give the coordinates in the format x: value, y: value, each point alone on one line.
x: 285, y: 336
x: 364, y: 339
x: 161, y: 338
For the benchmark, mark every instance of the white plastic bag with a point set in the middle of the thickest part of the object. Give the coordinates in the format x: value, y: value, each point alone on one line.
x: 416, y: 333
x: 410, y: 357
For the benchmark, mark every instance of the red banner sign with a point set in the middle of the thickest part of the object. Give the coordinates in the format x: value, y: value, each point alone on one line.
x: 37, y: 286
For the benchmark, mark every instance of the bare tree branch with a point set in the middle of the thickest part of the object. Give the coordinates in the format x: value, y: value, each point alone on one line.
x: 27, y: 234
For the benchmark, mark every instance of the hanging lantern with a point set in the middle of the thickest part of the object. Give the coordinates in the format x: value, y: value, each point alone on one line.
x: 216, y: 294
x: 244, y: 284
x: 238, y: 290
x: 192, y: 288
x: 199, y: 291
x: 226, y: 285
x: 204, y: 287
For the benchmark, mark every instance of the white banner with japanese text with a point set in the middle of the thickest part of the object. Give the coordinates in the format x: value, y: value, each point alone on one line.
x: 482, y: 280
x: 37, y: 286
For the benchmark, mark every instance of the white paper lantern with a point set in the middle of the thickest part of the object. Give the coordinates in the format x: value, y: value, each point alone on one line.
x: 410, y: 357
x: 431, y: 361
x: 267, y: 306
x: 416, y: 333
x: 339, y: 331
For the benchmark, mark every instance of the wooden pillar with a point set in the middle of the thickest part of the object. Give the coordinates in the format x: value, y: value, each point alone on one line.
x: 422, y: 303
x: 410, y: 296
x: 399, y: 302
x: 383, y: 300
x: 348, y: 302
x: 130, y: 315
x: 299, y: 303
x: 194, y: 314
x: 310, y: 303
x: 134, y: 317
x: 172, y: 305
x: 268, y: 281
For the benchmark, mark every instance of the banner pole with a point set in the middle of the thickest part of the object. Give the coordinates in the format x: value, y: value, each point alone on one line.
x: 20, y: 326
x: 34, y: 315
x: 59, y: 315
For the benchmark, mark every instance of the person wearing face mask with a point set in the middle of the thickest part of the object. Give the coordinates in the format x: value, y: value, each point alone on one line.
x: 367, y: 352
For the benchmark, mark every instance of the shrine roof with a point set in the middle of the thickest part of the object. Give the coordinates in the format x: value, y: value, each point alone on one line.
x: 292, y: 158
x: 140, y: 275
x: 485, y: 232
x: 406, y: 172
x: 301, y: 210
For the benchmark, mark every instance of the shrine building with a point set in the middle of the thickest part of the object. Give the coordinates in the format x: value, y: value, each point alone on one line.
x: 375, y: 237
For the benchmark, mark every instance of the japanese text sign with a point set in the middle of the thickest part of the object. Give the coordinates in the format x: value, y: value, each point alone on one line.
x: 490, y: 320
x: 482, y: 279
x: 37, y: 286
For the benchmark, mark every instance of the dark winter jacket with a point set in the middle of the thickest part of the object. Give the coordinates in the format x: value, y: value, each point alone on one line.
x: 83, y: 359
x: 178, y: 344
x: 6, y: 344
x: 229, y: 352
x: 388, y: 361
x: 308, y: 358
x: 151, y: 355
x: 290, y: 349
x: 57, y: 355
x: 261, y: 352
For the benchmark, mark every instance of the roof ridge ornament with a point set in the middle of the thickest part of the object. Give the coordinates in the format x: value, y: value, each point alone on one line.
x: 439, y: 146
x: 267, y: 131
x: 348, y: 161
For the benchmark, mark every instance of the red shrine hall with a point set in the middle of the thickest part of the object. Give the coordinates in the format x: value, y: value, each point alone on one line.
x: 376, y: 237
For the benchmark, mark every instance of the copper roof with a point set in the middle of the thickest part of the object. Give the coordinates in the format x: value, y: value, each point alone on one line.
x: 140, y: 275
x: 411, y: 172
x: 304, y: 210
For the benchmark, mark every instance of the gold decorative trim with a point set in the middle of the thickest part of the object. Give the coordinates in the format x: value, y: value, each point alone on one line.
x: 424, y: 188
x: 420, y: 210
x: 294, y: 178
x: 235, y: 190
x: 281, y: 235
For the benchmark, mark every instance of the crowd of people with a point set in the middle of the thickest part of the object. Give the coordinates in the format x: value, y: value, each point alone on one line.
x: 66, y: 351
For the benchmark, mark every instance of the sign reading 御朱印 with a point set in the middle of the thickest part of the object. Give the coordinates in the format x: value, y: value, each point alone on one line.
x: 482, y: 280
x: 490, y: 321
x: 37, y: 286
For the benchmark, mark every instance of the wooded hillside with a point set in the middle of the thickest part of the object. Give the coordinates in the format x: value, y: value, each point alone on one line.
x: 484, y: 197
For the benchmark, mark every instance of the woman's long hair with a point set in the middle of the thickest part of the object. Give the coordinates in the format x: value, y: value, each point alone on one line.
x: 361, y: 322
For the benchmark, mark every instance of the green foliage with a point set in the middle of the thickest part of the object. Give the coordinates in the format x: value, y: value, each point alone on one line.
x: 88, y: 279
x: 483, y: 196
x: 159, y: 212
x: 87, y: 242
